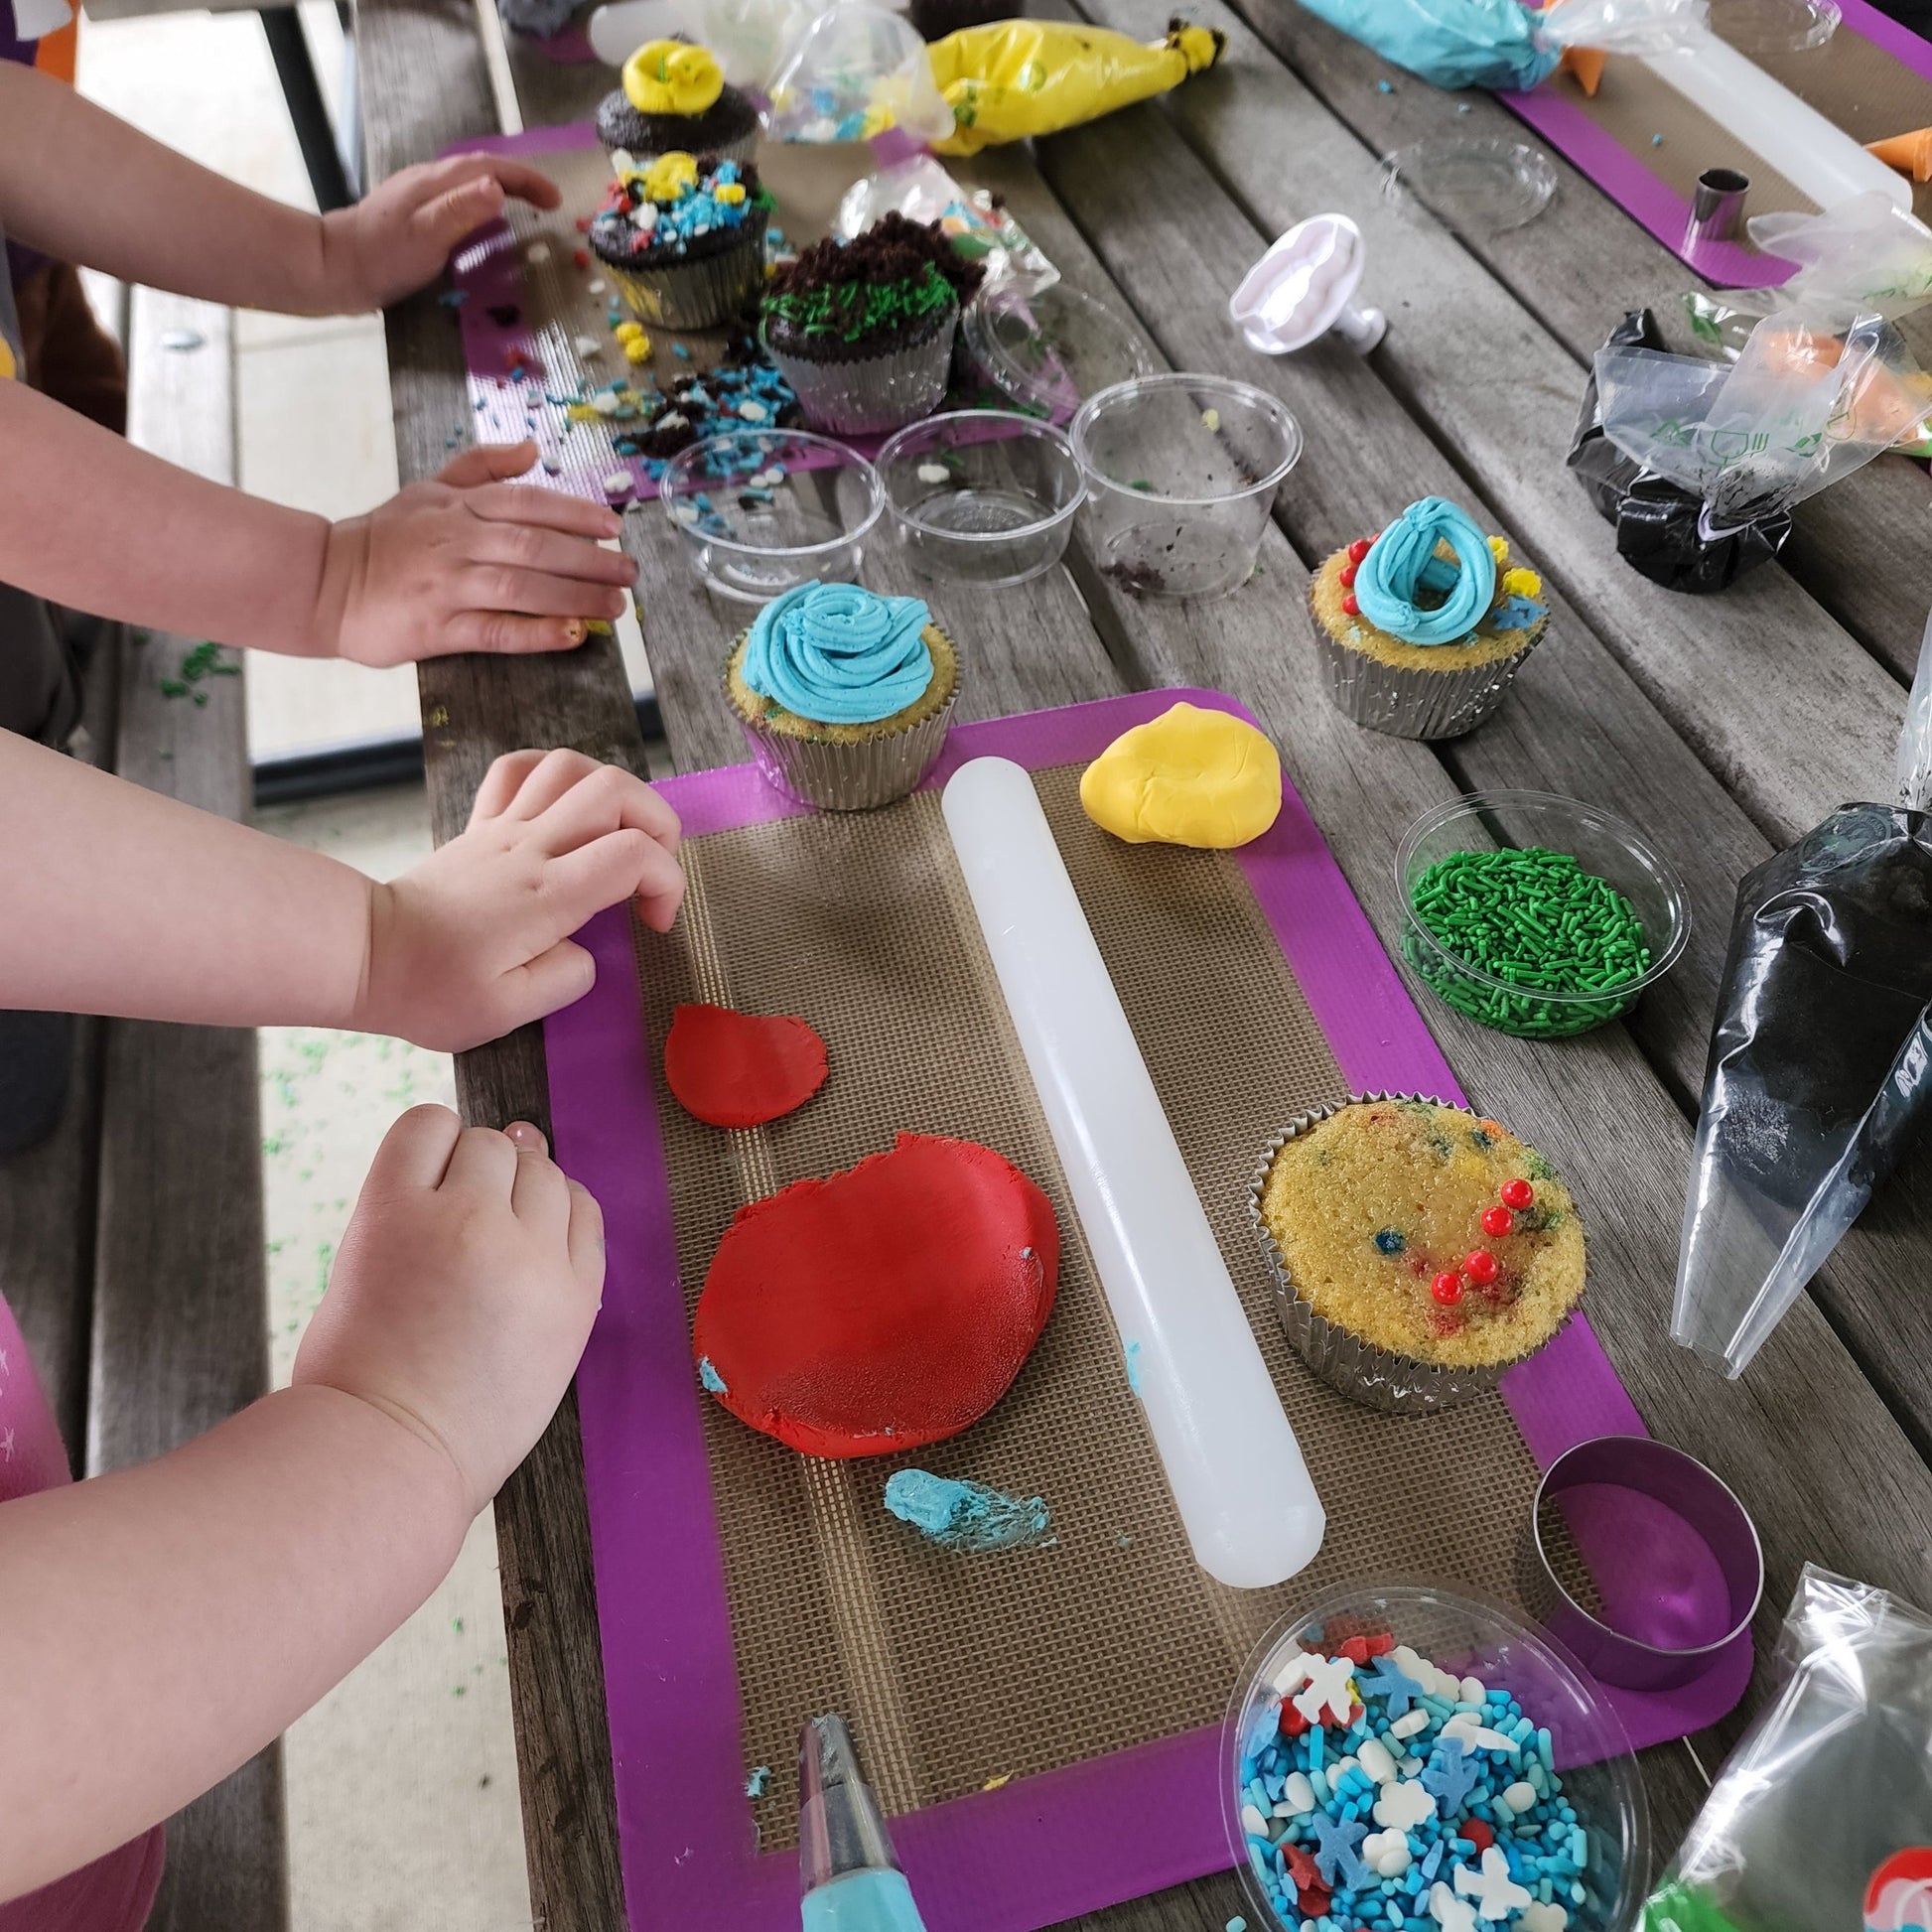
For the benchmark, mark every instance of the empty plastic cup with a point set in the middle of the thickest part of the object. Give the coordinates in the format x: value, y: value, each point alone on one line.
x: 1181, y: 472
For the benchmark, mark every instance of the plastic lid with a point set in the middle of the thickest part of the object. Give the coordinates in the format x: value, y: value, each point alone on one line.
x: 1051, y: 349
x: 1775, y: 26
x: 1476, y: 187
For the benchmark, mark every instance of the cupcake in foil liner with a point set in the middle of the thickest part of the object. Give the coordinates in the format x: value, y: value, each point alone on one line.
x: 872, y: 394
x: 1414, y: 703
x: 700, y: 293
x: 1378, y: 1378
x: 848, y: 774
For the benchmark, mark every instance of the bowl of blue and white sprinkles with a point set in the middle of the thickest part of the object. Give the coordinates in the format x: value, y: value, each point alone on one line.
x: 1407, y: 1757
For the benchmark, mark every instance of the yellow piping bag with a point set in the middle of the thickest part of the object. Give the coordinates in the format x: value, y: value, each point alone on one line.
x: 1014, y: 78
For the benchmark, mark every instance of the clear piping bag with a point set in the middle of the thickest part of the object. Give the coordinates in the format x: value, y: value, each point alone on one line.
x: 1229, y: 1453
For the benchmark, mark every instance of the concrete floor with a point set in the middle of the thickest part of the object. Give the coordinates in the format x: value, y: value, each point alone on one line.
x: 403, y: 1812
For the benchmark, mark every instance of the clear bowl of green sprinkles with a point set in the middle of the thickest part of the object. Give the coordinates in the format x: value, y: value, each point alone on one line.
x: 1537, y: 914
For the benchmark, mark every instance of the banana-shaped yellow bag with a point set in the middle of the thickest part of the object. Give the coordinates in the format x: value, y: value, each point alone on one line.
x: 1018, y: 77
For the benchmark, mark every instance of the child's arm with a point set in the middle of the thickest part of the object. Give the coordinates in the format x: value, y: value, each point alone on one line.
x: 123, y: 903
x: 161, y: 1626
x: 80, y: 184
x: 469, y: 562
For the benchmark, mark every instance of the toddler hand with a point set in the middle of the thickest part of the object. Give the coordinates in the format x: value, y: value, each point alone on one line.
x: 463, y: 1293
x: 398, y: 238
x: 469, y: 562
x: 476, y: 940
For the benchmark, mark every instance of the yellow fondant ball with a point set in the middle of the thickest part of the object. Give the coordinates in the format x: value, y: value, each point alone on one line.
x: 1188, y: 777
x: 672, y: 77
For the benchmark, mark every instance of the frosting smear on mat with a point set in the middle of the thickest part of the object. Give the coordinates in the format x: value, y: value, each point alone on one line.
x: 883, y: 1308
x: 968, y: 1516
x: 742, y: 1069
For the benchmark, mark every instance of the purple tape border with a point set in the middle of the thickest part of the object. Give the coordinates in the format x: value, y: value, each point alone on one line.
x: 1651, y: 201
x: 1042, y: 1849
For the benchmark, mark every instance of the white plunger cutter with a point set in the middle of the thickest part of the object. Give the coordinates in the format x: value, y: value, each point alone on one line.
x: 1303, y: 288
x: 1229, y: 1453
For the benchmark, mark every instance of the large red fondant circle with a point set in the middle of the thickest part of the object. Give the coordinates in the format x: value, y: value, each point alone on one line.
x: 741, y: 1070
x: 883, y: 1308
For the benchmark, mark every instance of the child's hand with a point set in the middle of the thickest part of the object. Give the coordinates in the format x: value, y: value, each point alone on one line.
x: 469, y: 562
x: 463, y: 1294
x: 476, y: 940
x: 398, y: 238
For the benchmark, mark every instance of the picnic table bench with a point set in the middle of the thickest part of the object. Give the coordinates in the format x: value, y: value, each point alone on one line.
x: 131, y: 1238
x: 1723, y: 727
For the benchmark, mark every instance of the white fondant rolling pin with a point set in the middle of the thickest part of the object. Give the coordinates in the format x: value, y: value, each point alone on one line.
x: 1244, y: 1493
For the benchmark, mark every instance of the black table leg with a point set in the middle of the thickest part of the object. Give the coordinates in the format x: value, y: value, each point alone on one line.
x: 296, y: 70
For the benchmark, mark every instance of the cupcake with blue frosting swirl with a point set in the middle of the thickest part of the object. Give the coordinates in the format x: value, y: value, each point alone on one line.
x: 845, y: 695
x: 1421, y: 628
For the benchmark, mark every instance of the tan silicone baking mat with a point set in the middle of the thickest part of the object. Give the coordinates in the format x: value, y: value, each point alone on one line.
x: 960, y: 1670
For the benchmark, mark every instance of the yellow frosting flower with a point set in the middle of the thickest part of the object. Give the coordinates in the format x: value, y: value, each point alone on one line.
x: 672, y: 77
x: 1188, y: 777
x: 671, y: 176
x: 636, y: 348
x: 1499, y: 549
x: 731, y: 193
x: 627, y: 332
x: 1522, y: 583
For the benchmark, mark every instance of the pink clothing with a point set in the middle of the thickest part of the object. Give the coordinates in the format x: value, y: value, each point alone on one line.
x: 114, y: 1893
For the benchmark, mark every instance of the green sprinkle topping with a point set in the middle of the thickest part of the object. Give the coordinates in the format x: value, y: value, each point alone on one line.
x: 1536, y: 921
x: 854, y: 311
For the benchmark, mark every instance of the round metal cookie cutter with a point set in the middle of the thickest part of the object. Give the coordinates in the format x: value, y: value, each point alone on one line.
x: 1701, y: 1547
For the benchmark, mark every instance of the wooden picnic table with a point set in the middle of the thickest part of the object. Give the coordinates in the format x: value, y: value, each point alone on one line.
x: 1723, y: 727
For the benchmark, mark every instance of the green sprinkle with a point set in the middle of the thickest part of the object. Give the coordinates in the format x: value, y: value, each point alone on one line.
x: 1535, y: 921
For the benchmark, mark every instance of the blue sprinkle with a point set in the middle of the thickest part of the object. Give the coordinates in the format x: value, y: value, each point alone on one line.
x: 1134, y: 1366
x: 1237, y: 1924
x: 966, y: 1516
x: 1656, y: 140
x: 756, y: 1784
x: 454, y: 298
x: 1461, y: 106
x: 1389, y: 1241
x: 682, y: 354
x: 1383, y: 87
x: 712, y: 1380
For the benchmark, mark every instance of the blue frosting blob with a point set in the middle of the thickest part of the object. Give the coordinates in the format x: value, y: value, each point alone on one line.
x: 965, y: 1515
x: 1405, y: 589
x: 838, y: 654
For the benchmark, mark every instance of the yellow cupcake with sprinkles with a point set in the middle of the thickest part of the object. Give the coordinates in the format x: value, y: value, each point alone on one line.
x: 1420, y: 629
x: 1418, y: 1250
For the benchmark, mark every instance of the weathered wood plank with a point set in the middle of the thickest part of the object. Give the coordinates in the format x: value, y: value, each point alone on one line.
x: 426, y: 85
x: 1577, y: 723
x: 180, y: 1303
x: 1861, y: 548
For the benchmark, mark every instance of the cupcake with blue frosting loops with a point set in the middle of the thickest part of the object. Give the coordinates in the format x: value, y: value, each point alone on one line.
x: 1420, y: 629
x: 846, y: 695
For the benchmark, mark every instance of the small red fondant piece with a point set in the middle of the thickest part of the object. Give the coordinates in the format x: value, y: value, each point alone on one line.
x: 1358, y: 550
x: 1349, y: 605
x: 1355, y: 1650
x: 1480, y: 1265
x: 1313, y: 1900
x: 1381, y: 1643
x: 1479, y: 1831
x: 1446, y: 1287
x: 1347, y: 575
x: 1303, y: 1871
x: 741, y: 1070
x: 1292, y: 1721
x: 883, y: 1307
x: 581, y: 256
x: 1497, y: 1221
x: 1517, y: 1193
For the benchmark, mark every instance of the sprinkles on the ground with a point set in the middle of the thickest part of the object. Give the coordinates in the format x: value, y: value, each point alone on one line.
x: 1382, y: 1790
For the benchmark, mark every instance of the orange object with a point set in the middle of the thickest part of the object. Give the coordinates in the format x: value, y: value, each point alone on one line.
x: 1586, y: 64
x: 1911, y: 154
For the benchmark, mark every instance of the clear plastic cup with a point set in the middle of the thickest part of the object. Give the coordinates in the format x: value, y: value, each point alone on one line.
x: 1181, y: 472
x: 1472, y: 1638
x: 763, y: 512
x: 1599, y: 842
x: 981, y: 496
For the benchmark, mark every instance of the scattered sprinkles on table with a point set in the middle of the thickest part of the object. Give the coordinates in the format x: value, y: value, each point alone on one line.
x: 1537, y: 920
x: 1379, y: 1789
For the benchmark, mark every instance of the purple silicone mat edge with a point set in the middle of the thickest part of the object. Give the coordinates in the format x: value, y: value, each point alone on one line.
x: 1650, y: 201
x: 1042, y: 1849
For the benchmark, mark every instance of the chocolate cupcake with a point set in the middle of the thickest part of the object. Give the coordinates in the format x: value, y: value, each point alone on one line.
x: 864, y: 330
x: 674, y: 98
x: 684, y: 238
